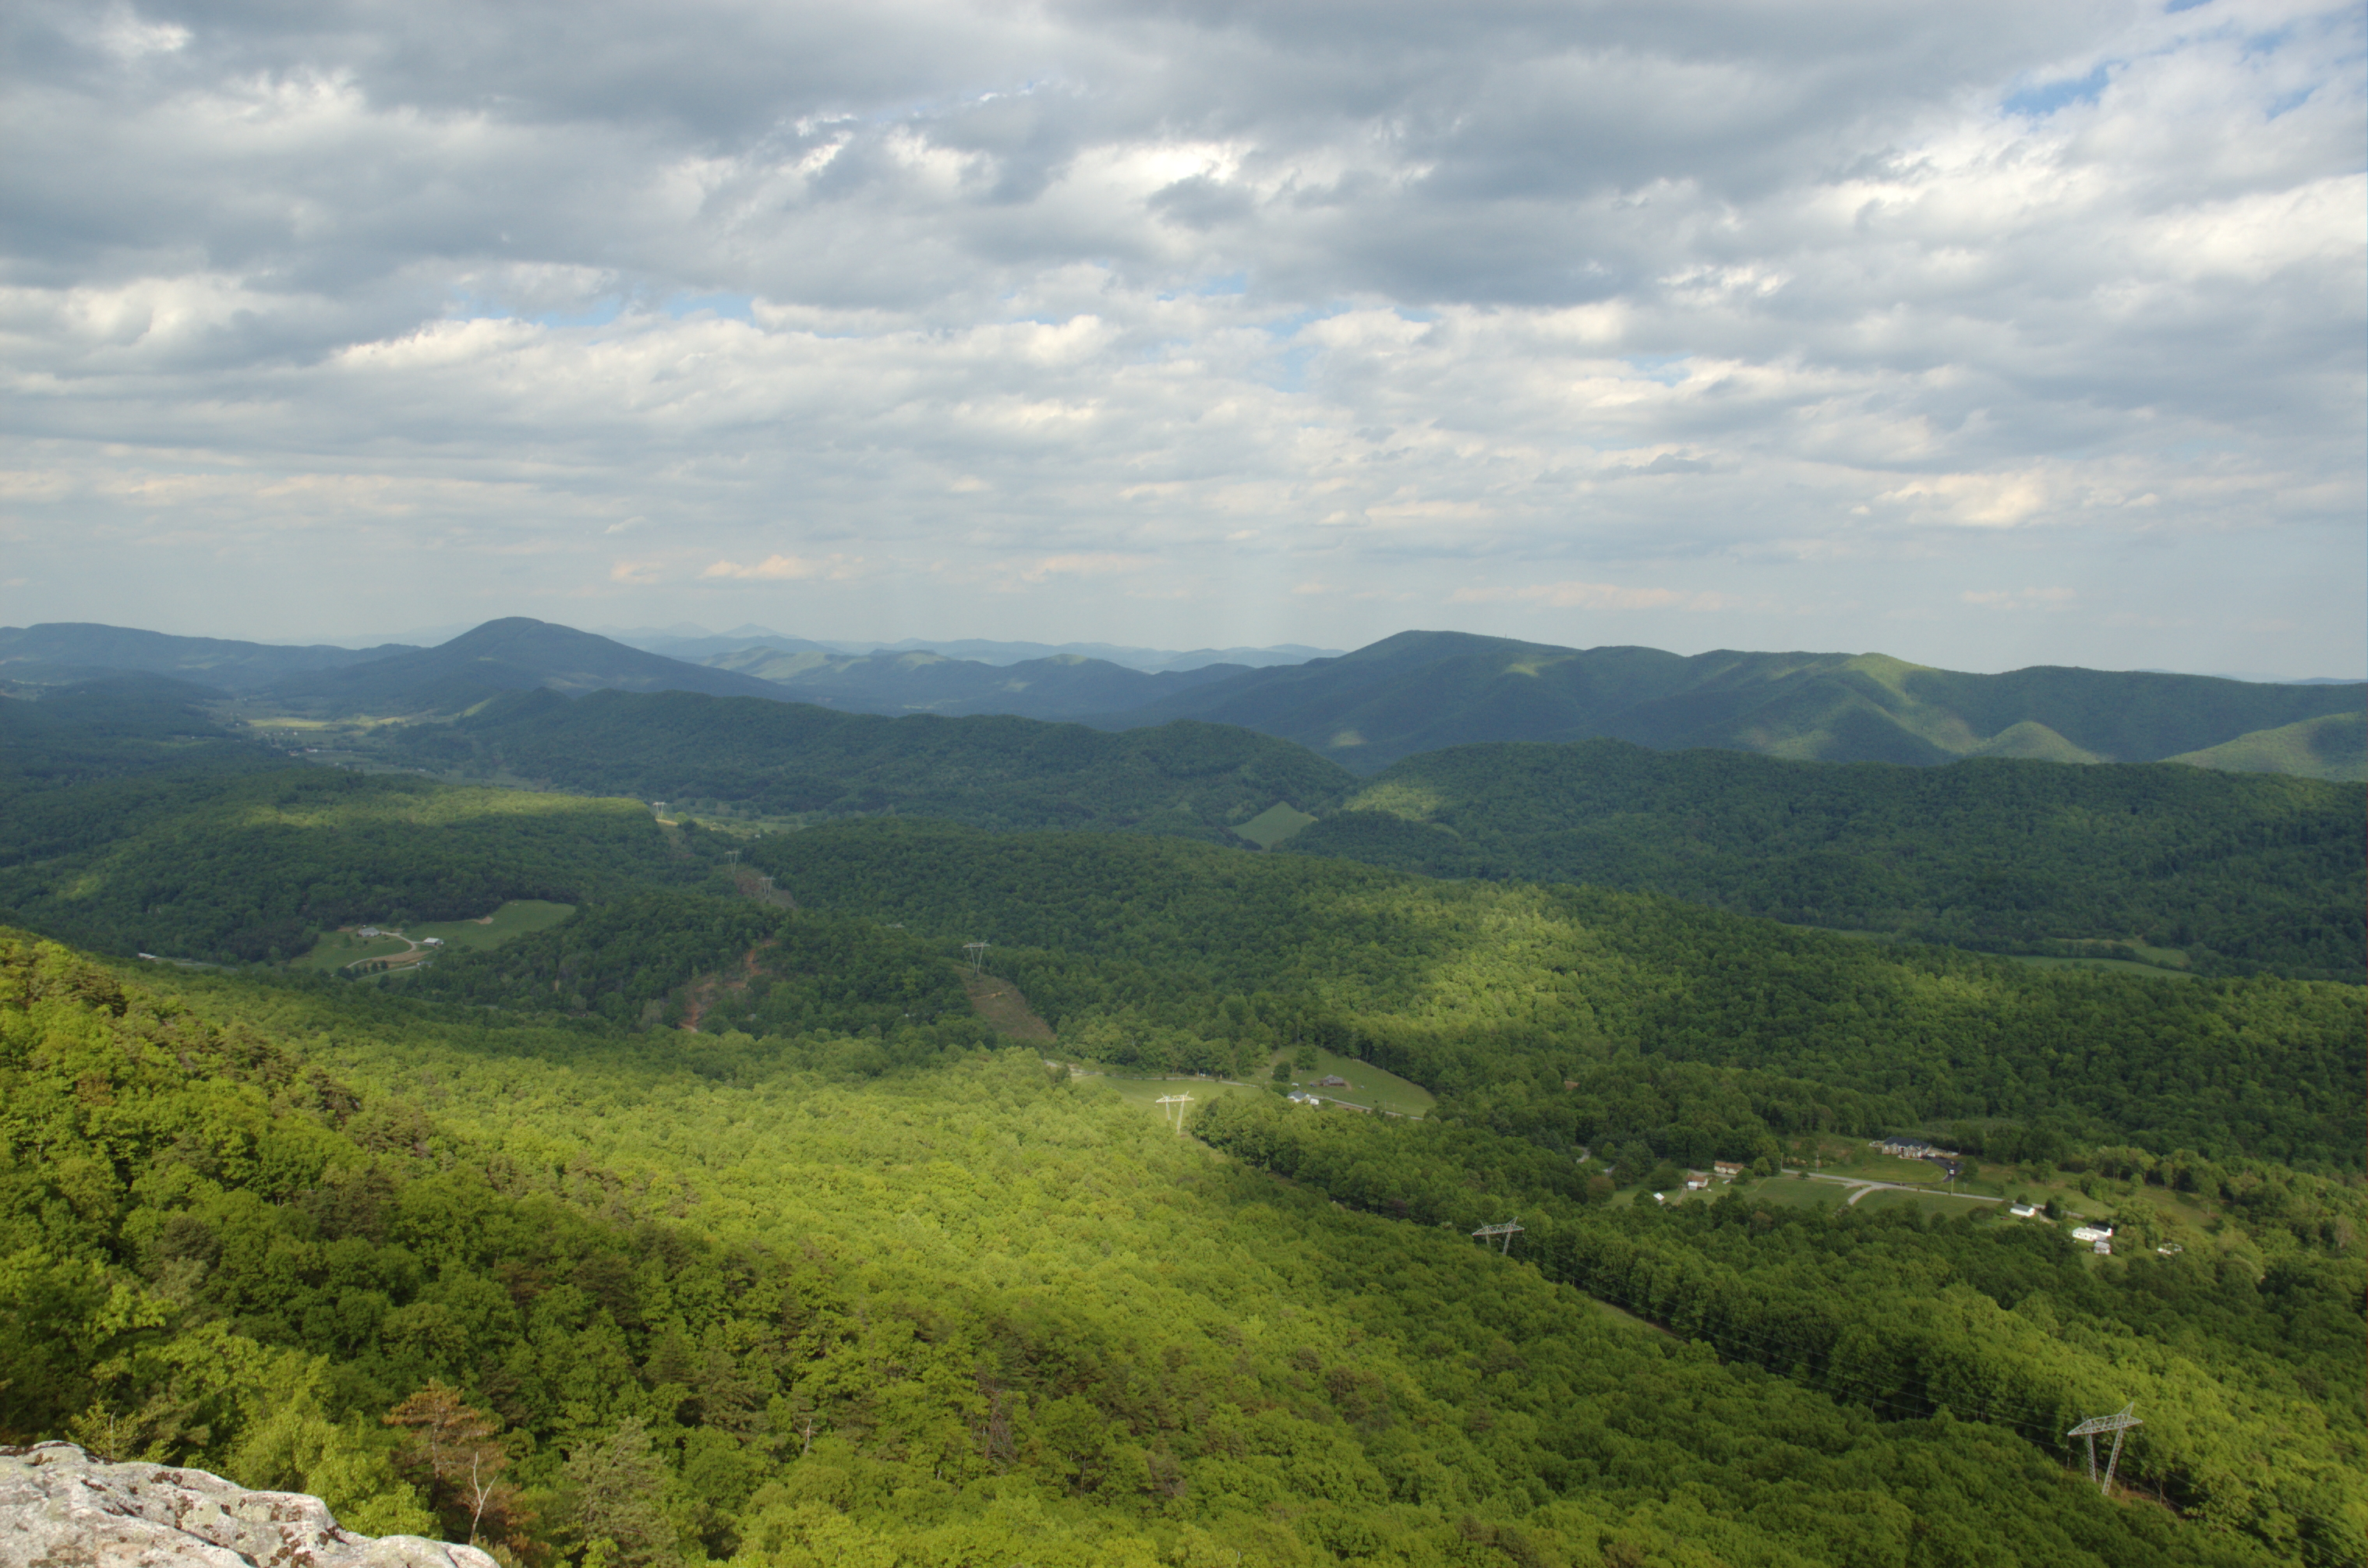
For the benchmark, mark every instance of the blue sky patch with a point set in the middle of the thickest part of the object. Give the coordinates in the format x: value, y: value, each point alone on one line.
x: 2044, y: 98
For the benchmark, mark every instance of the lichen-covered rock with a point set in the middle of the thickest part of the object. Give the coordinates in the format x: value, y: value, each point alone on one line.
x: 60, y: 1509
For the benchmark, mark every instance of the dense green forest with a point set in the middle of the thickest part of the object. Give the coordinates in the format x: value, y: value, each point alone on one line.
x: 1423, y: 690
x: 963, y: 1310
x: 2237, y: 870
x: 254, y: 866
x: 2239, y: 873
x: 660, y: 959
x: 705, y: 1227
x: 1474, y: 989
x: 2227, y: 874
x: 1979, y: 1315
x: 793, y: 759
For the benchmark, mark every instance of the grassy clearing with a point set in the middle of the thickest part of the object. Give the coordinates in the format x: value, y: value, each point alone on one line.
x: 1368, y: 1084
x: 515, y: 918
x: 998, y: 1001
x: 1794, y: 1193
x: 337, y: 948
x: 2125, y: 966
x: 1143, y: 1092
x: 1862, y: 1164
x: 1929, y: 1202
x: 1274, y: 824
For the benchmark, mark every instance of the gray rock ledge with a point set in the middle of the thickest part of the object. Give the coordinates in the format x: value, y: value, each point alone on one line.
x: 60, y: 1509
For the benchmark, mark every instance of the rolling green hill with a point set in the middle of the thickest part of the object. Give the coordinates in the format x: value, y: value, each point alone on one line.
x: 2237, y: 873
x: 1064, y: 686
x: 795, y: 759
x: 73, y: 650
x: 596, y: 1299
x: 1163, y: 947
x: 512, y: 655
x: 1424, y: 690
x: 2334, y: 745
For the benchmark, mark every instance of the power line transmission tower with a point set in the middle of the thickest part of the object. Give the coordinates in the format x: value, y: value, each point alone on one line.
x: 978, y: 951
x: 1179, y: 1102
x: 2120, y: 1422
x: 1508, y: 1229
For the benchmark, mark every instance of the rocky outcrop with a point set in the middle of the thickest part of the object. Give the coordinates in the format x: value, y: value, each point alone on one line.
x: 60, y: 1509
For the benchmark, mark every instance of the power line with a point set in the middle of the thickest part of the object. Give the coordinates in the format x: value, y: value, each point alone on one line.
x: 2119, y: 1423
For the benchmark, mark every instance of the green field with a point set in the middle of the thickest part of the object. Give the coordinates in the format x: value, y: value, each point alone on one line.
x: 1368, y: 1084
x: 1944, y: 1203
x: 1274, y: 824
x: 2125, y: 966
x: 1866, y: 1164
x: 515, y: 918
x: 1144, y: 1092
x: 1795, y: 1193
x: 335, y: 949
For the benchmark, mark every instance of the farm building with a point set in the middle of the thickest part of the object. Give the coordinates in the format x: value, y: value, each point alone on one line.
x: 1914, y: 1149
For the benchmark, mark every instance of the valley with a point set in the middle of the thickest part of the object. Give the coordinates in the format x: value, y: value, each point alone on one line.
x: 700, y: 1165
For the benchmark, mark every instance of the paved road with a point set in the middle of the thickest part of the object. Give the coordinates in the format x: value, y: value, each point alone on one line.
x: 1865, y: 1187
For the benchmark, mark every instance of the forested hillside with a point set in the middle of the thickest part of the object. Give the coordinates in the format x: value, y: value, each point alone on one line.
x: 2236, y: 871
x: 1142, y: 947
x: 1062, y: 685
x: 119, y: 799
x: 55, y: 651
x: 1422, y: 690
x: 516, y: 653
x: 253, y: 867
x: 793, y: 759
x: 592, y: 1300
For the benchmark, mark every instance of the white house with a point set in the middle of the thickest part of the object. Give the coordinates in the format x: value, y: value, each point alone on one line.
x: 2022, y: 1210
x: 2092, y: 1232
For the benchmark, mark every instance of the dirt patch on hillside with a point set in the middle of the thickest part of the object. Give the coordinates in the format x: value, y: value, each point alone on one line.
x: 1001, y: 1004
x: 701, y: 993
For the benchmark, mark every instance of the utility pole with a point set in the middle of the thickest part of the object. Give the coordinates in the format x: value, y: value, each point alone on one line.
x: 2117, y: 1423
x: 978, y: 951
x: 1507, y: 1231
x: 1179, y: 1102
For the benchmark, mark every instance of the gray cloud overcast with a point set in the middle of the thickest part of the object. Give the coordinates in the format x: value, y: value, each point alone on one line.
x: 1982, y: 335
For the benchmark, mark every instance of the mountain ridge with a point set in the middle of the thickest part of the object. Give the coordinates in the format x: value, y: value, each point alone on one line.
x: 1420, y: 691
x: 515, y: 654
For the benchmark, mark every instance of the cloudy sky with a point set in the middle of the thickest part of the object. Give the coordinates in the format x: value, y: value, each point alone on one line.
x: 1984, y: 335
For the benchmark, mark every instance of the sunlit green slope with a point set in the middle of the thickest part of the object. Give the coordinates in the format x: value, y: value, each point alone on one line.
x: 967, y: 1314
x: 2236, y: 871
x: 2334, y: 745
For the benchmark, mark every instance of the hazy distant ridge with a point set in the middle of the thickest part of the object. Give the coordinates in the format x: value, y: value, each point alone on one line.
x: 1421, y: 690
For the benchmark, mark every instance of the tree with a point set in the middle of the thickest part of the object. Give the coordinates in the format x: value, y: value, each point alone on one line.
x: 449, y: 1451
x: 619, y: 1485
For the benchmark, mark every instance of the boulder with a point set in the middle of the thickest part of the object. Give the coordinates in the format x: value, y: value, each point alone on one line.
x: 60, y: 1509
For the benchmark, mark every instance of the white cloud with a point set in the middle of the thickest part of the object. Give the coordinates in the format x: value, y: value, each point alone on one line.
x: 786, y: 569
x: 1815, y: 306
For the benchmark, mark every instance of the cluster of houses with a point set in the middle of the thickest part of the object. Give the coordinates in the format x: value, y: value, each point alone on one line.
x: 368, y: 933
x: 1917, y: 1149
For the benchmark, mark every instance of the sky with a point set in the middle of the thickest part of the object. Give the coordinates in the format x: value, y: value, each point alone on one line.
x: 1984, y: 335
